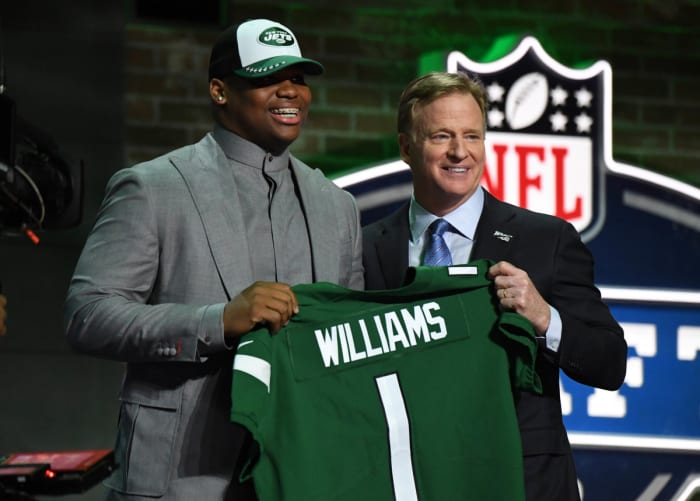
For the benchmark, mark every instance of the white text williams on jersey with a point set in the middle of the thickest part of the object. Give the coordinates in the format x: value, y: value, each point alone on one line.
x: 376, y: 335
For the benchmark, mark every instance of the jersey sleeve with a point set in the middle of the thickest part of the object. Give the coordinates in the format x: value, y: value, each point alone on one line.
x: 521, y: 346
x: 250, y: 387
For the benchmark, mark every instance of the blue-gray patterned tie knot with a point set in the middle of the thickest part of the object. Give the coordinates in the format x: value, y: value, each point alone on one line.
x: 437, y: 253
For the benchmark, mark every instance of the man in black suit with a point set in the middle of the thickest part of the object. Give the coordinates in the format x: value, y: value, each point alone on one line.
x: 543, y: 270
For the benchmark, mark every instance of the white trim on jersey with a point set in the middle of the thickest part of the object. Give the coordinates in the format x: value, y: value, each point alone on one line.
x: 399, y: 437
x: 257, y: 367
x: 462, y: 270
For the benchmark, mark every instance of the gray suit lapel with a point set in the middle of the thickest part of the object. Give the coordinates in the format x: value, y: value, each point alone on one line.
x: 318, y: 205
x: 216, y: 198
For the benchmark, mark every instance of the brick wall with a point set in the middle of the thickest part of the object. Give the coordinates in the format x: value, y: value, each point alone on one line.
x: 371, y: 50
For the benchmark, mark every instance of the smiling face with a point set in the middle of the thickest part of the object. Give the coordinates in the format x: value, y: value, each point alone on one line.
x: 445, y: 151
x: 268, y: 111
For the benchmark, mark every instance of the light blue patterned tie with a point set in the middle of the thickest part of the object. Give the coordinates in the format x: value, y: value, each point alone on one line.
x: 437, y: 253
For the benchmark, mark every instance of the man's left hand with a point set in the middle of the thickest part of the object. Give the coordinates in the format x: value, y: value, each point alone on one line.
x: 516, y: 292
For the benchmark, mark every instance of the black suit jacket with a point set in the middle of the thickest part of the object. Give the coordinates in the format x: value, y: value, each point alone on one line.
x: 592, y: 350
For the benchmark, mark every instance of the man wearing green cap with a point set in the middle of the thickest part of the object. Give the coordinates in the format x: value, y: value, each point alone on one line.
x: 195, y: 248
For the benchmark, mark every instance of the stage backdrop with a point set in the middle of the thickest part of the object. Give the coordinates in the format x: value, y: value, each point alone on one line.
x: 549, y: 149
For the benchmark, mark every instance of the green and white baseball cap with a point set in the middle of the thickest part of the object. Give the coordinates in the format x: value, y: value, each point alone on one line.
x: 257, y: 48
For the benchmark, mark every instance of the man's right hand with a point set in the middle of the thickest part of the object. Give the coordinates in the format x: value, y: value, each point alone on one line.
x: 267, y: 303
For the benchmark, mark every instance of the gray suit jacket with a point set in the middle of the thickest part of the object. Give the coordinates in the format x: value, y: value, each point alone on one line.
x: 167, y: 251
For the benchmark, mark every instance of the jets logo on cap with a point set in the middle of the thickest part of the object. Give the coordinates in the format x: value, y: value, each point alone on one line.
x: 276, y: 37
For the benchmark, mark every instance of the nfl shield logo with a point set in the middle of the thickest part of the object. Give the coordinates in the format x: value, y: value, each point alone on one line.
x: 548, y: 135
x: 549, y: 149
x: 546, y: 130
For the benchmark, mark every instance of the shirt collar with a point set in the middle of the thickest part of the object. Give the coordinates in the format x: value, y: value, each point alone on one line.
x: 245, y: 152
x: 464, y: 218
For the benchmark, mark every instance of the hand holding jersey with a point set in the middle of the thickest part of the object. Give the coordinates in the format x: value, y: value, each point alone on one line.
x: 517, y: 292
x: 263, y: 303
x: 401, y: 394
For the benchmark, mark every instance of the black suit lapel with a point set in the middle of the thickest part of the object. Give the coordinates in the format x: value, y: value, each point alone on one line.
x: 392, y: 248
x: 496, y: 233
x: 493, y: 239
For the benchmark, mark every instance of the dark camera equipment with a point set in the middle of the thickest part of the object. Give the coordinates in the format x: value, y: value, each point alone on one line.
x: 39, y: 188
x: 55, y: 473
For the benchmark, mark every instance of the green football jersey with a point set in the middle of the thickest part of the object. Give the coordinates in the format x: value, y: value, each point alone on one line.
x: 403, y: 394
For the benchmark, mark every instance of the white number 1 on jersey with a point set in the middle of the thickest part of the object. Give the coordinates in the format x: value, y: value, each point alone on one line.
x: 399, y: 437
